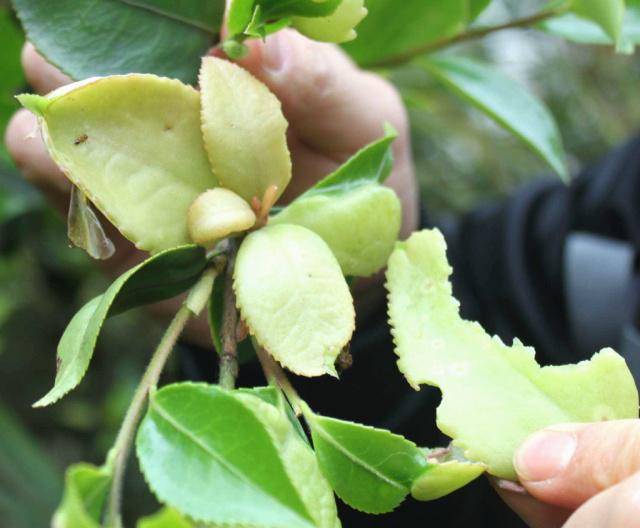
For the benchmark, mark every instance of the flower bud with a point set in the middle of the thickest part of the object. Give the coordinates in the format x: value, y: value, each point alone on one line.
x: 216, y: 214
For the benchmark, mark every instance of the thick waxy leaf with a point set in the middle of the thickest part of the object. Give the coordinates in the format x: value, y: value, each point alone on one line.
x: 142, y: 173
x: 393, y: 28
x: 360, y: 226
x: 293, y: 296
x: 86, y: 488
x: 506, y: 102
x: 608, y: 14
x: 161, y: 277
x: 84, y: 229
x: 338, y: 27
x: 372, y: 470
x: 108, y: 37
x: 298, y: 459
x: 488, y: 387
x: 442, y: 478
x: 165, y: 518
x: 244, y: 130
x: 206, y: 453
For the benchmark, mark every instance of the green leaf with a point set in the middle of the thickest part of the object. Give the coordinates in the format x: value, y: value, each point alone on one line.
x: 360, y: 225
x: 143, y: 174
x: 372, y: 164
x: 165, y: 518
x: 476, y: 7
x: 293, y: 297
x: 443, y: 477
x: 505, y: 101
x: 206, y: 453
x: 574, y: 28
x: 307, y: 8
x: 372, y: 470
x: 107, y: 37
x: 84, y: 229
x: 161, y: 277
x: 239, y: 16
x: 493, y: 395
x: 86, y: 488
x: 244, y: 130
x: 337, y: 27
x: 608, y: 14
x: 393, y: 28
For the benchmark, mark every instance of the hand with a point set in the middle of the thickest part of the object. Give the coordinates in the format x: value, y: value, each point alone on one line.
x: 580, y: 476
x: 333, y: 109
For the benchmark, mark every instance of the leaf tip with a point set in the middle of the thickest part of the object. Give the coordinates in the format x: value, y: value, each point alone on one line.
x: 34, y: 103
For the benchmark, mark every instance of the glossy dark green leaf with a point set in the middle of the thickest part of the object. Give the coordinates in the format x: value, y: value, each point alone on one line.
x: 393, y: 28
x: 105, y: 37
x: 86, y: 488
x: 372, y: 470
x: 161, y: 277
x: 506, y: 102
x: 204, y: 452
x: 372, y: 164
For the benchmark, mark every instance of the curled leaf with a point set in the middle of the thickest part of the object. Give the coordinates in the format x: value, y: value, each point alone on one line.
x: 244, y: 130
x: 493, y: 395
x: 293, y: 297
x: 84, y: 229
x: 337, y: 27
x: 142, y: 173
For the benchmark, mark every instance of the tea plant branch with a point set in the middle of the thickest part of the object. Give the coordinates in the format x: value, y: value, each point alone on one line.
x: 122, y: 446
x: 471, y: 34
x: 276, y: 376
x: 229, y: 353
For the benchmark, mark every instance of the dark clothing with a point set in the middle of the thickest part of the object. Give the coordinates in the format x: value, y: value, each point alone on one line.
x: 514, y: 274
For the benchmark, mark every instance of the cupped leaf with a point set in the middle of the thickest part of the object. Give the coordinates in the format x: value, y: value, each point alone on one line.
x: 493, y: 395
x: 143, y: 173
x: 206, y: 453
x: 360, y: 226
x: 165, y: 518
x: 337, y: 27
x: 86, y: 488
x: 372, y: 470
x: 244, y: 130
x: 298, y: 459
x: 393, y: 28
x: 504, y: 101
x: 294, y: 298
x: 110, y: 37
x: 161, y: 277
x: 608, y: 14
x: 84, y: 229
x: 442, y: 478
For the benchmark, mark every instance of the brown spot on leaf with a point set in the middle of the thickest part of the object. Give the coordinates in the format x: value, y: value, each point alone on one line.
x: 58, y: 363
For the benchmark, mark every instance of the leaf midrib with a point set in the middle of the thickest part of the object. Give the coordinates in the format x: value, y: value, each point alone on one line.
x: 355, y: 459
x: 154, y: 405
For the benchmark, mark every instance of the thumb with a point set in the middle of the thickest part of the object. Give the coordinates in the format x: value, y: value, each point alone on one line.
x: 566, y: 465
x: 331, y: 104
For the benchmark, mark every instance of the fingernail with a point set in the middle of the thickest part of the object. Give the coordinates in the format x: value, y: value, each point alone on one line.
x: 545, y: 455
x: 276, y: 53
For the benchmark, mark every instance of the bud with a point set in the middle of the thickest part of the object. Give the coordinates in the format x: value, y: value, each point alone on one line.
x: 216, y: 214
x: 338, y: 27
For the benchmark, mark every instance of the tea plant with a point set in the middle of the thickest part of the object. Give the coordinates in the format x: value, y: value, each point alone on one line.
x: 193, y: 177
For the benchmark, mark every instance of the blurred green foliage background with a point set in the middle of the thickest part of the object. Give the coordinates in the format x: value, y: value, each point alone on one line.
x: 462, y: 158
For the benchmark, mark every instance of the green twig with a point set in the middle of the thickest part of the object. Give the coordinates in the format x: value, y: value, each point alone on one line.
x: 471, y: 34
x: 119, y: 454
x: 229, y: 352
